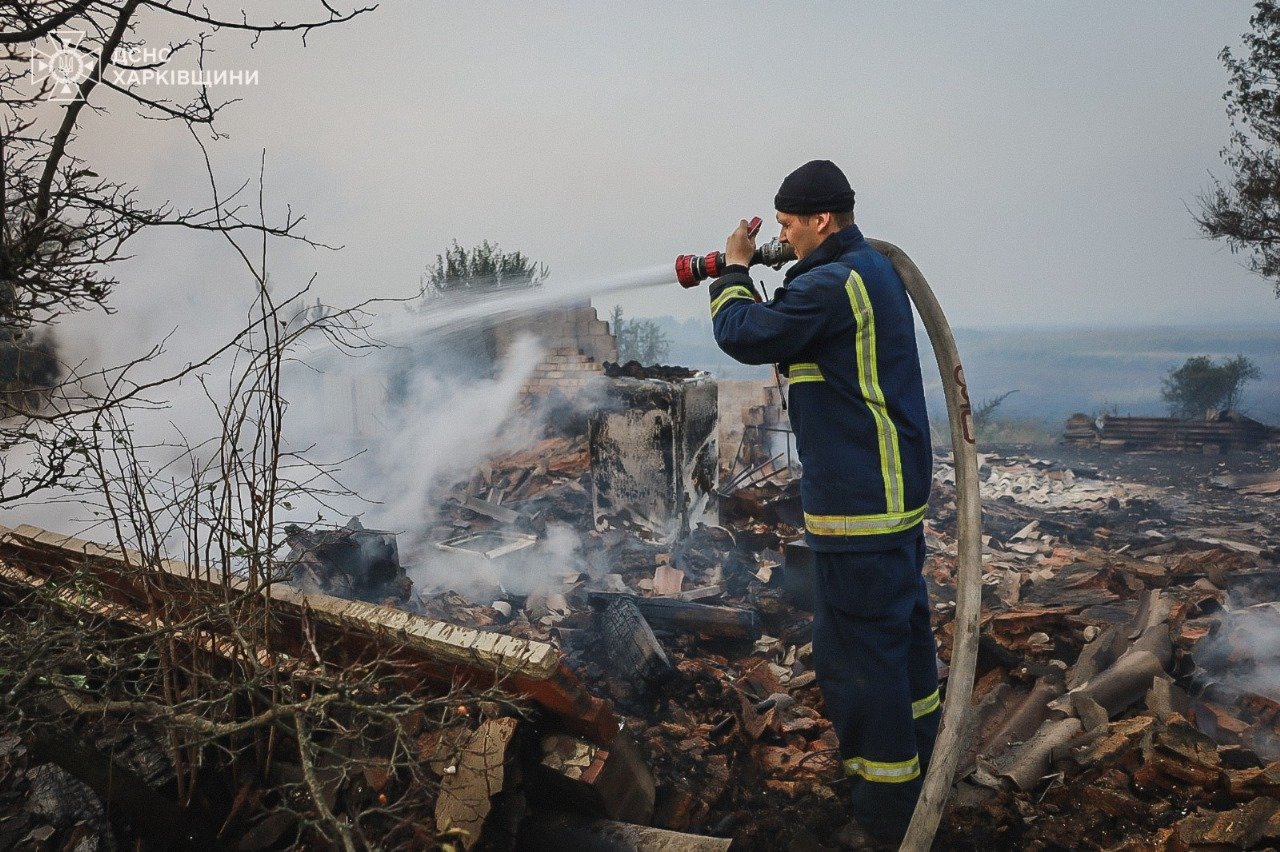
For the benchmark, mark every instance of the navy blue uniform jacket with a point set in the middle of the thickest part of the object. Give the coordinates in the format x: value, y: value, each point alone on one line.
x: 842, y: 329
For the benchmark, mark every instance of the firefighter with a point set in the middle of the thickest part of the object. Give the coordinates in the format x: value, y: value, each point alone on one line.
x: 841, y: 329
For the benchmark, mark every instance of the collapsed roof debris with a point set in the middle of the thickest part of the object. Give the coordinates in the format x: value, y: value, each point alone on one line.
x: 1096, y: 595
x: 1037, y: 482
x: 1103, y: 721
x: 1249, y: 483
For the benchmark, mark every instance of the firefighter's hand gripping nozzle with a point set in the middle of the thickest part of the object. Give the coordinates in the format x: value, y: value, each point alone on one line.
x: 692, y: 270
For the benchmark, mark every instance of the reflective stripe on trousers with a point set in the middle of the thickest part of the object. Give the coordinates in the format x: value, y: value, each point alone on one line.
x: 876, y: 524
x: 890, y: 773
x: 905, y: 770
x: 876, y: 661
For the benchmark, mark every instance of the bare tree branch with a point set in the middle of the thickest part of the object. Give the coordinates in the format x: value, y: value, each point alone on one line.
x: 15, y: 15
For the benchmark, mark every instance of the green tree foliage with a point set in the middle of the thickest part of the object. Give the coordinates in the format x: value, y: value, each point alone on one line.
x: 1245, y: 210
x: 639, y: 340
x: 1200, y: 385
x: 483, y: 268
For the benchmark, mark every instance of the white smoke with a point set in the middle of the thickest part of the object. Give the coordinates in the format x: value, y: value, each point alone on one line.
x: 1242, y: 655
x: 546, y: 567
x: 409, y: 431
x: 549, y: 564
x: 160, y: 337
x: 403, y: 424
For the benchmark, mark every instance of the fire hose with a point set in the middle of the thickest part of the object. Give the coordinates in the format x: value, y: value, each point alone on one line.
x: 957, y: 712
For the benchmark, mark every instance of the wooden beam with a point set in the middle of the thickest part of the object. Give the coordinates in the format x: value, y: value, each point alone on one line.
x: 344, y: 631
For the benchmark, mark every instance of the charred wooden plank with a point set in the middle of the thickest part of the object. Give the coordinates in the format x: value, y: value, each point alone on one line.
x: 720, y: 621
x: 1113, y: 802
x: 345, y: 632
x: 1241, y: 828
x: 1120, y: 740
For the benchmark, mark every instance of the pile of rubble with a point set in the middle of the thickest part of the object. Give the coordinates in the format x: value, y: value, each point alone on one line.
x: 1103, y: 677
x: 1126, y: 696
x: 1102, y: 625
x: 1128, y: 692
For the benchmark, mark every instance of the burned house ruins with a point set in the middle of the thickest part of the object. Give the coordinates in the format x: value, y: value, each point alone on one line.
x: 619, y: 650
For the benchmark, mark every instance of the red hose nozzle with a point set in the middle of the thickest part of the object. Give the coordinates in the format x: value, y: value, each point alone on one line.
x: 692, y: 270
x: 684, y: 271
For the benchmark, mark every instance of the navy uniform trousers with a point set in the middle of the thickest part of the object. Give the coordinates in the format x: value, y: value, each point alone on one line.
x: 875, y: 659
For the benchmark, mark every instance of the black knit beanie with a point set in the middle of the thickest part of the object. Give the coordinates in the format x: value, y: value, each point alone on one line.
x: 816, y: 187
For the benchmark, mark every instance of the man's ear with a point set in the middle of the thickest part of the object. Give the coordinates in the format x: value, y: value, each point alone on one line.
x: 824, y: 222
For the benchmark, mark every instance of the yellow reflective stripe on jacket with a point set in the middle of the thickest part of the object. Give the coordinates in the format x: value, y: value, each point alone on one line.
x: 925, y: 705
x: 729, y: 294
x: 886, y: 773
x: 889, y: 522
x: 869, y: 382
x: 806, y: 372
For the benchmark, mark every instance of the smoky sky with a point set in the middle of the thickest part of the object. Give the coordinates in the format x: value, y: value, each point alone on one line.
x: 1039, y: 161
